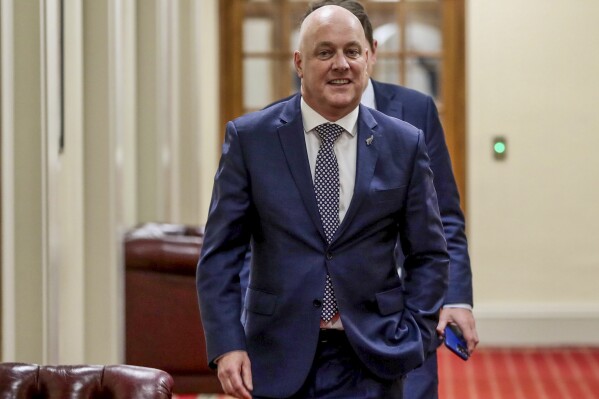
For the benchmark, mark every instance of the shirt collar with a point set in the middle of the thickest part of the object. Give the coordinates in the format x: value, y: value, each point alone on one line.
x: 368, y: 98
x: 311, y: 119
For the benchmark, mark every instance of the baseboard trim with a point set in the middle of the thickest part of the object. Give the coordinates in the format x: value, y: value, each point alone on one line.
x: 536, y: 324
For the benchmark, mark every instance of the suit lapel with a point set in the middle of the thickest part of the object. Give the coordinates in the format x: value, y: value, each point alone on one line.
x: 386, y: 101
x: 291, y: 135
x: 368, y: 153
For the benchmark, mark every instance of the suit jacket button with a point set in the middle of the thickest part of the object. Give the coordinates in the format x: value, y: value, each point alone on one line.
x: 329, y: 256
x: 317, y: 303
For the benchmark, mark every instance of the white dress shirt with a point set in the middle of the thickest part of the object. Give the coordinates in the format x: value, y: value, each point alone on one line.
x: 345, y: 148
x: 368, y: 96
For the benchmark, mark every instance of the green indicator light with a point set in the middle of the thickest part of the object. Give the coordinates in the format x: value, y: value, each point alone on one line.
x: 499, y: 147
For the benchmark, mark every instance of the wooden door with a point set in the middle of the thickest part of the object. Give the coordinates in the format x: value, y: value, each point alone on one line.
x: 421, y: 46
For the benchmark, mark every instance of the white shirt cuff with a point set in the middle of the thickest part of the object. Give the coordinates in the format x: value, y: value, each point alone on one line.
x: 458, y: 305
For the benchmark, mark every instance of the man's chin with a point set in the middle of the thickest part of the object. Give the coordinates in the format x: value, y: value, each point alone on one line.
x: 343, y: 100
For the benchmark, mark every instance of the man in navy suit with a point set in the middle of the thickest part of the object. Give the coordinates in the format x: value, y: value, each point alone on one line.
x: 326, y: 313
x: 419, y: 110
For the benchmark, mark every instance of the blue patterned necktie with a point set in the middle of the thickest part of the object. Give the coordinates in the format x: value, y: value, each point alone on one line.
x: 326, y: 187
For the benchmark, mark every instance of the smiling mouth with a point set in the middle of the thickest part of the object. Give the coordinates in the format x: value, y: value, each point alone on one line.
x: 339, y: 81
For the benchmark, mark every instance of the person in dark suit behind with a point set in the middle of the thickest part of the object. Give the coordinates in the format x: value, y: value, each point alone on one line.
x: 321, y: 187
x: 419, y: 110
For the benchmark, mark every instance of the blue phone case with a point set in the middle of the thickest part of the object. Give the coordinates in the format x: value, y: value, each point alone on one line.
x: 455, y: 342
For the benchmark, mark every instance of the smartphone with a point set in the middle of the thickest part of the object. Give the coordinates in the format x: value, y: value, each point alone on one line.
x: 455, y: 342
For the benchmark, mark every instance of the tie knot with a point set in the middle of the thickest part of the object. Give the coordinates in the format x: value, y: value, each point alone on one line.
x: 329, y: 132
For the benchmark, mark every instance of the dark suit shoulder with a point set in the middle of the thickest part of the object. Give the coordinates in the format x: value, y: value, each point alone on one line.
x: 408, y: 104
x: 281, y: 100
x: 401, y: 93
x: 393, y: 124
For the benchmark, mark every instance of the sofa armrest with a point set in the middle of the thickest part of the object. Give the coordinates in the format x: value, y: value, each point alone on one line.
x: 22, y: 380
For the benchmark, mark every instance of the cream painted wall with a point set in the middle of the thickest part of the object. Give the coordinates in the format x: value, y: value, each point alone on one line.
x: 532, y: 76
x: 64, y: 212
x: 178, y: 135
x: 208, y: 93
x: 22, y: 145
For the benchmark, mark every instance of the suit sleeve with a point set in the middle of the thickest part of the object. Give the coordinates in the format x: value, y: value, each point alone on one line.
x: 460, y: 273
x: 226, y: 239
x: 423, y: 243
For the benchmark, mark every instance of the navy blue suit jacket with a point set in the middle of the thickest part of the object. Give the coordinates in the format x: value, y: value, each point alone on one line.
x: 419, y: 110
x: 263, y: 194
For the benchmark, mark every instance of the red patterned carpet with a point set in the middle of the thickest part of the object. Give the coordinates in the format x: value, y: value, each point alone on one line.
x: 561, y: 373
x: 531, y: 373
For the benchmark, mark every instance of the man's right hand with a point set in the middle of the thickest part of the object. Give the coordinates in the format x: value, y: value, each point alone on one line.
x: 235, y: 374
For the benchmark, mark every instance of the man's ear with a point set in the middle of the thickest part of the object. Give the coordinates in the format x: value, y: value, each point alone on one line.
x: 297, y: 62
x: 372, y: 55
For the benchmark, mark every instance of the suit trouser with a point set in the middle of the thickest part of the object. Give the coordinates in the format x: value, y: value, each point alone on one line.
x: 338, y: 373
x: 423, y: 382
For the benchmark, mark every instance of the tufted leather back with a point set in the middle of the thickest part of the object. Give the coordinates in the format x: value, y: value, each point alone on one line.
x: 24, y: 381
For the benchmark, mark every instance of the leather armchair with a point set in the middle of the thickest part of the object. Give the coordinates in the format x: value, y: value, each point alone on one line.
x: 24, y: 381
x: 163, y: 328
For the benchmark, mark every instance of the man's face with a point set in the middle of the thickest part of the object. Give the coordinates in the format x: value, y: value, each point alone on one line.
x: 332, y: 62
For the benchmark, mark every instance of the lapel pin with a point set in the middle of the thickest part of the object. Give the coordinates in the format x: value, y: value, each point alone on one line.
x: 370, y: 139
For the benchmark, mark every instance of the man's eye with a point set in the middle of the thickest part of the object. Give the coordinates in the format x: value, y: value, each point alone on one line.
x: 353, y: 53
x: 324, y: 53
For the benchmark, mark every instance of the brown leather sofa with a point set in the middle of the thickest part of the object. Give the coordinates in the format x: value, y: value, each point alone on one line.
x: 25, y: 381
x: 163, y: 328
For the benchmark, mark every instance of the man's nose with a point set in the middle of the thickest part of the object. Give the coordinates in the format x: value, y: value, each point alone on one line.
x: 340, y: 62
